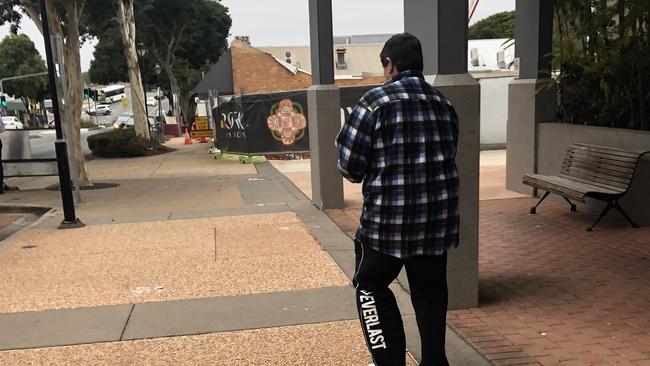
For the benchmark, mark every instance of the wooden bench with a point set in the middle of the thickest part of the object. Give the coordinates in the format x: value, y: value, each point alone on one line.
x: 590, y: 171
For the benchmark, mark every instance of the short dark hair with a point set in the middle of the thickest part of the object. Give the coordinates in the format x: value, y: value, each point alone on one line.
x: 405, y: 50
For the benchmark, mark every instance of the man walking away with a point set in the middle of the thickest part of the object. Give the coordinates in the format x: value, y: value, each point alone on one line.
x: 400, y: 142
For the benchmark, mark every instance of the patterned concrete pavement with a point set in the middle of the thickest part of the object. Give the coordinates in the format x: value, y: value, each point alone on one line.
x: 335, y: 343
x: 147, y: 283
x: 157, y: 261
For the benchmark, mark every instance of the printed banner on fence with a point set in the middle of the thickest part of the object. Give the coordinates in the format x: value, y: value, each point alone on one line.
x: 271, y: 123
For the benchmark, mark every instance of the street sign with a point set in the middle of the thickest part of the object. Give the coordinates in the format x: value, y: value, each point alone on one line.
x: 201, y: 133
x: 201, y: 123
x: 516, y: 66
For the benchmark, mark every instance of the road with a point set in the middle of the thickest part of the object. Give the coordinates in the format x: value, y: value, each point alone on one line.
x: 118, y: 108
x: 43, y: 146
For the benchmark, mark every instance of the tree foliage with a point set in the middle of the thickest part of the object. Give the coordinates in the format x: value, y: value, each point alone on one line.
x: 499, y: 25
x: 108, y: 65
x: 602, y: 51
x: 18, y: 56
x: 185, y: 38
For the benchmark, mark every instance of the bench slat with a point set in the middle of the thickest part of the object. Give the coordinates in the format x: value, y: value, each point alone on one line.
x: 608, y: 164
x: 597, y: 176
x: 606, y: 169
x: 612, y: 159
x: 584, y: 186
x: 590, y: 181
x: 570, y: 188
x: 573, y: 184
x: 607, y: 150
x: 539, y: 182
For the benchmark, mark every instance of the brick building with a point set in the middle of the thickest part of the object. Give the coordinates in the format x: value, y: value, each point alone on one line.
x: 244, y: 69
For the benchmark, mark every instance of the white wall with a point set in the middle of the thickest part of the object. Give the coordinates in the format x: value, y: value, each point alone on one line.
x: 494, y: 109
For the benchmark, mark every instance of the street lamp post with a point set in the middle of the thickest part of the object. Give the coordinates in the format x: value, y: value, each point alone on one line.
x: 157, y: 71
x: 141, y: 52
x: 70, y: 219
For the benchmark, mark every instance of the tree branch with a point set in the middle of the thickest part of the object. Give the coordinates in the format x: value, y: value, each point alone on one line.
x: 34, y: 14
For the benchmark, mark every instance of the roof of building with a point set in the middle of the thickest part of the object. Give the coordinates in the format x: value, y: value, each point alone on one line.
x: 244, y: 69
x: 219, y: 77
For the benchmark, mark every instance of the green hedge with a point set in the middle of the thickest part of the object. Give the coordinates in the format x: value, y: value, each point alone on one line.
x: 117, y: 144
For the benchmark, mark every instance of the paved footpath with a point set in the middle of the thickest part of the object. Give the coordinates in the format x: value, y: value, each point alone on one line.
x: 188, y: 261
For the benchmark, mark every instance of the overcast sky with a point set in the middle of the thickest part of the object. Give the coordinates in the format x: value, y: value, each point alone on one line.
x: 286, y: 22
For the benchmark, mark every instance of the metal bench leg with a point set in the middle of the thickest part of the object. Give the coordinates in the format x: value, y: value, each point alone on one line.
x: 574, y: 208
x: 533, y: 210
x: 610, y: 205
x: 622, y: 212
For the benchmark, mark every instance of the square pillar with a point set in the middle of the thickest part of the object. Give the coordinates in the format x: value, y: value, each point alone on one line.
x: 528, y: 103
x: 441, y: 27
x: 324, y: 106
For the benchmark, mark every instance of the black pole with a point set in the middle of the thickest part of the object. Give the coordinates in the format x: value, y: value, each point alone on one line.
x: 146, y: 107
x: 70, y: 219
x: 160, y: 119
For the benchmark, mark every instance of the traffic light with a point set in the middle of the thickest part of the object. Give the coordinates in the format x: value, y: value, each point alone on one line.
x: 3, y: 101
x: 86, y: 93
x: 95, y: 94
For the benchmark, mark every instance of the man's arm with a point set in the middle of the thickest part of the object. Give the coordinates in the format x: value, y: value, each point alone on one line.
x: 355, y: 144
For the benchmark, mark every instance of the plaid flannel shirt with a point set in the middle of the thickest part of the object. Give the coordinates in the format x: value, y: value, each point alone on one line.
x: 400, y: 141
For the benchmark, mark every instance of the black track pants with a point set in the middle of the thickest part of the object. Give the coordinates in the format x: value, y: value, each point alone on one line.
x: 380, y: 317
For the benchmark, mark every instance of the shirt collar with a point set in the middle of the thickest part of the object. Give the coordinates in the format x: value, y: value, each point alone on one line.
x: 404, y: 74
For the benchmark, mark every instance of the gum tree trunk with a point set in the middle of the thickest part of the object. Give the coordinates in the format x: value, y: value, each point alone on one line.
x: 126, y: 24
x: 71, y: 110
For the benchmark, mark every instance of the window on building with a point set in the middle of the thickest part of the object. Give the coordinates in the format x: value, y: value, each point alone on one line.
x: 340, y: 59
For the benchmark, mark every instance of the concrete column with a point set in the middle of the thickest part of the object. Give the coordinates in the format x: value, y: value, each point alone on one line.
x: 529, y: 103
x: 441, y: 27
x: 324, y: 110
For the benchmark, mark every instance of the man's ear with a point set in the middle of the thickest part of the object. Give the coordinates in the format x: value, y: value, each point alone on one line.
x: 392, y: 65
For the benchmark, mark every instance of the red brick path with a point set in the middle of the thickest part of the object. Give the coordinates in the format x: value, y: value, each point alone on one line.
x: 8, y: 219
x: 552, y: 293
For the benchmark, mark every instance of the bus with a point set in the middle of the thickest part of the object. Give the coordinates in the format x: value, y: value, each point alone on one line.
x: 112, y: 93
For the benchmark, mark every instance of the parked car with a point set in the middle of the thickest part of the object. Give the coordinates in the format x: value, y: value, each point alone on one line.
x: 152, y: 102
x: 12, y: 123
x: 102, y: 109
x: 126, y: 121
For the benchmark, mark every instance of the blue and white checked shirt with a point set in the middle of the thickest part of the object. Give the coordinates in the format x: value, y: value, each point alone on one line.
x: 400, y: 141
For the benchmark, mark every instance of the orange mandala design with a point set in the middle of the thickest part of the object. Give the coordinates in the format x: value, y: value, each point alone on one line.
x: 287, y: 121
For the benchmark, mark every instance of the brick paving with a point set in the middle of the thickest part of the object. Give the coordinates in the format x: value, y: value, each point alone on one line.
x: 8, y: 219
x: 551, y: 293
